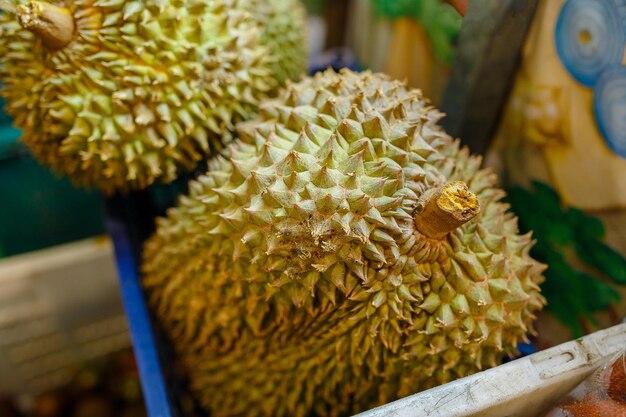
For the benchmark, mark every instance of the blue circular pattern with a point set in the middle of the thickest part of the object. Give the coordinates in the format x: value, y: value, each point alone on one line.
x: 590, y: 37
x: 609, y: 102
x: 621, y: 9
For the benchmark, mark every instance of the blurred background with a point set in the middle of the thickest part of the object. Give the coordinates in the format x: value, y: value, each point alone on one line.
x: 510, y: 93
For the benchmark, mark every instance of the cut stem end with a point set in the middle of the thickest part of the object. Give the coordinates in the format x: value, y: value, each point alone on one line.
x: 54, y: 25
x: 445, y: 209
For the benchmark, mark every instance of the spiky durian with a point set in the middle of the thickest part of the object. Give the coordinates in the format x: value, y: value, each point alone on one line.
x: 348, y: 252
x: 119, y: 93
x: 284, y: 36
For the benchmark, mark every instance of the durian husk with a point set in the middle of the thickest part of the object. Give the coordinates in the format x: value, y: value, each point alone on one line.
x: 285, y: 37
x: 293, y: 279
x: 146, y: 88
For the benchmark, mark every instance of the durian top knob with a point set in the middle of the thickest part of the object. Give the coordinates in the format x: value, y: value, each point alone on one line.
x: 444, y: 209
x: 54, y: 25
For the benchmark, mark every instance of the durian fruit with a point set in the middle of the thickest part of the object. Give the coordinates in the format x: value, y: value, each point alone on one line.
x: 347, y: 252
x: 118, y: 94
x: 284, y: 36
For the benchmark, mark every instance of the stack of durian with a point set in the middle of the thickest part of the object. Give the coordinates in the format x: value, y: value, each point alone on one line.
x: 341, y: 251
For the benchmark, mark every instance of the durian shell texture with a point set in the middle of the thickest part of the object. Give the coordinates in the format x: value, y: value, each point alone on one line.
x: 292, y: 279
x: 147, y: 88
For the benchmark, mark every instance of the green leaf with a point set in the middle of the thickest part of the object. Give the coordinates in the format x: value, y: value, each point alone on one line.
x: 442, y: 24
x: 559, y: 234
x: 564, y: 292
x: 603, y: 258
x: 396, y: 8
x: 548, y: 200
x: 522, y: 204
x: 571, y: 293
x: 585, y: 226
x: 598, y: 294
x: 547, y: 192
x: 540, y: 211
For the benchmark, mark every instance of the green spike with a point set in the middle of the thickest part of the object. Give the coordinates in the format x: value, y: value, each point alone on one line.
x: 431, y: 303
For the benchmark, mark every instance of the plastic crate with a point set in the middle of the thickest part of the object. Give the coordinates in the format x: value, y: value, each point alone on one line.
x: 526, y: 387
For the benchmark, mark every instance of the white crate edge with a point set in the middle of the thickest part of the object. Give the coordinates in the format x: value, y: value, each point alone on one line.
x: 521, y: 388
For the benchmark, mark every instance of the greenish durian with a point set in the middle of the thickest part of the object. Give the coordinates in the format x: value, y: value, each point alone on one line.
x: 117, y: 94
x: 284, y: 36
x: 345, y: 253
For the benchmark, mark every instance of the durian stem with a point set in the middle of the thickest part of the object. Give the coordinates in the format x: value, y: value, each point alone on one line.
x: 444, y: 209
x: 54, y: 25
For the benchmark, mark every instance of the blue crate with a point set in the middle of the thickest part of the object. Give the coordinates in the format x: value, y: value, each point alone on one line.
x: 156, y: 396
